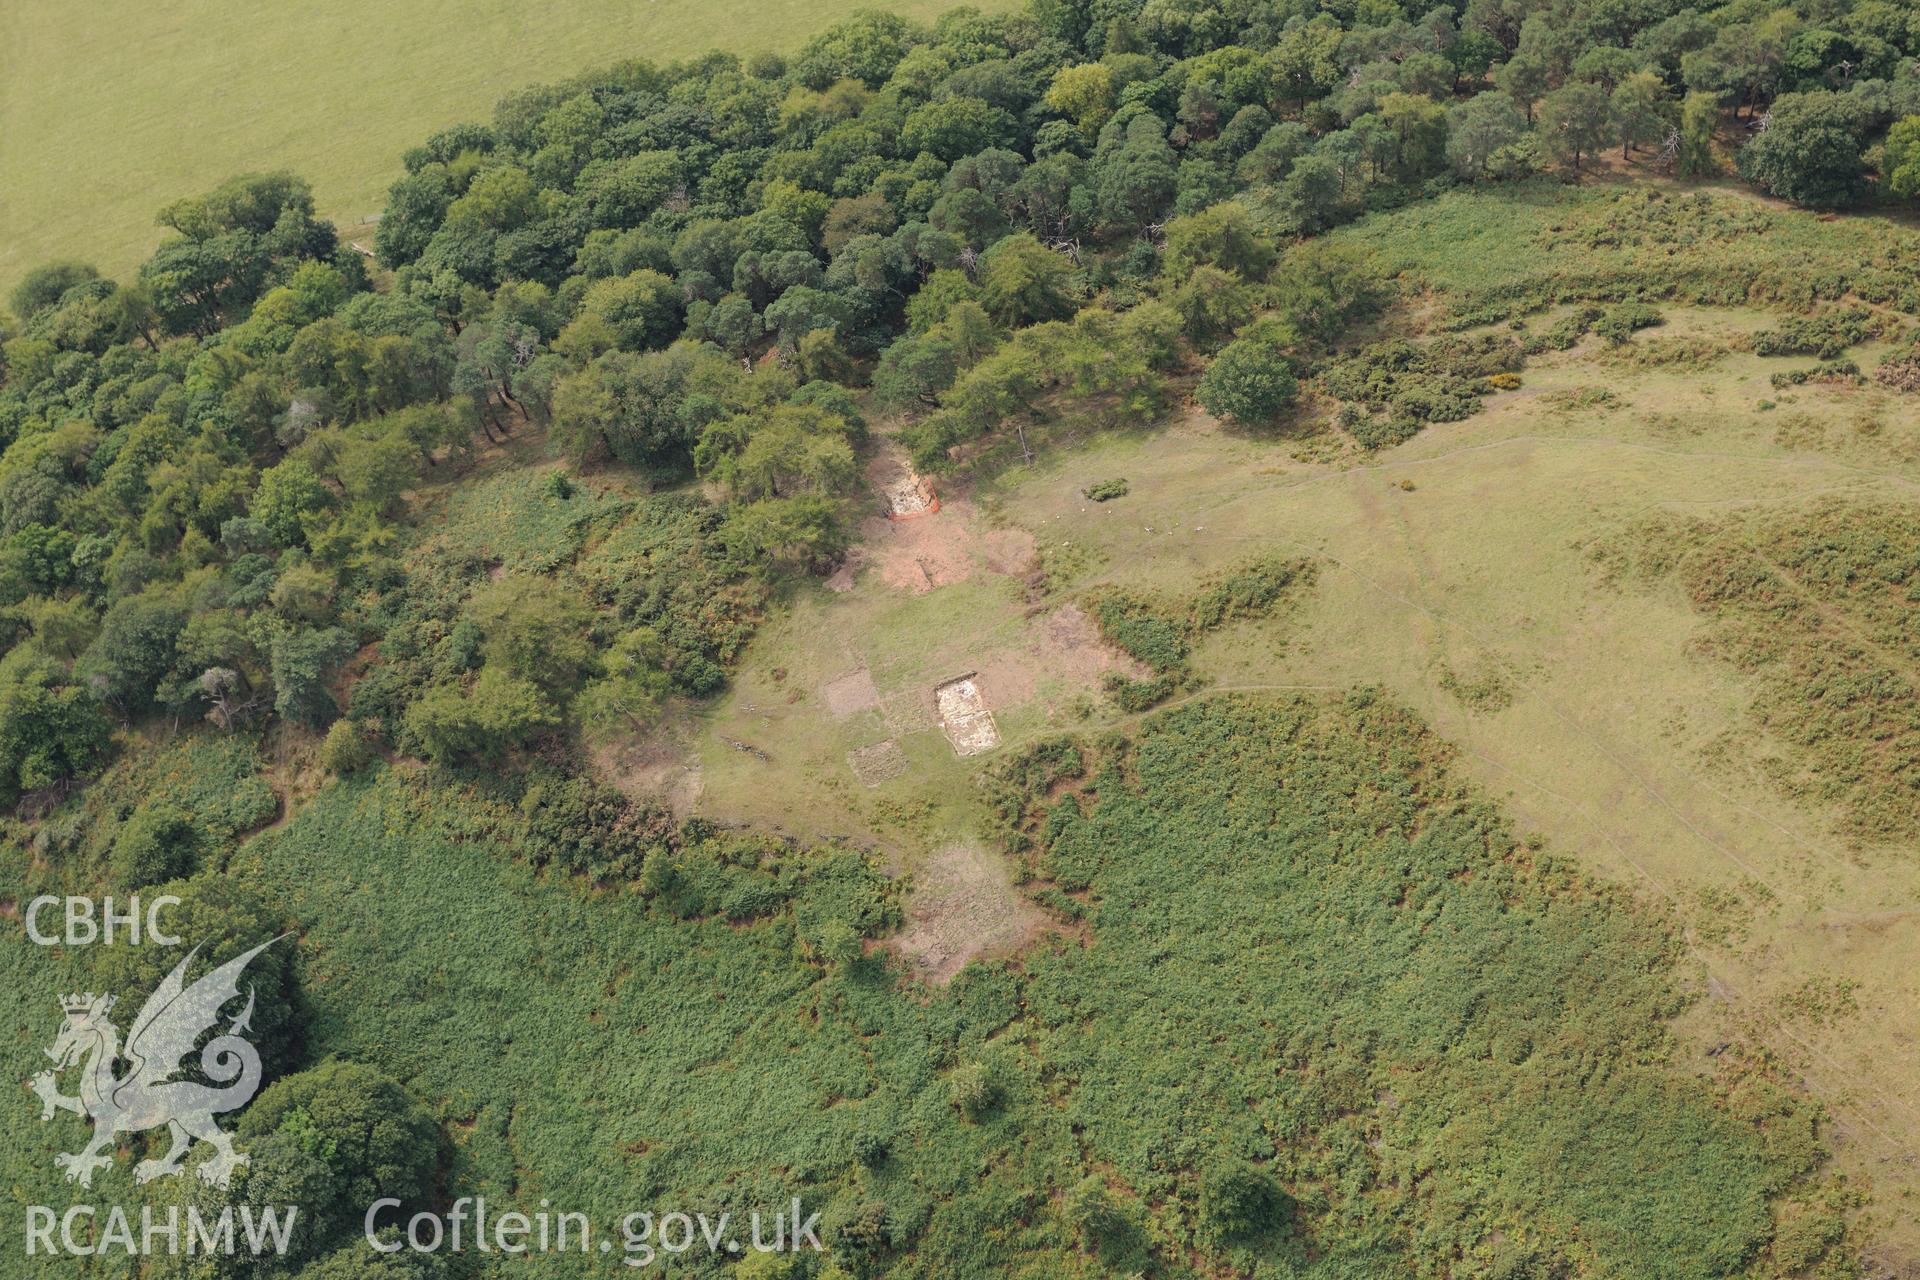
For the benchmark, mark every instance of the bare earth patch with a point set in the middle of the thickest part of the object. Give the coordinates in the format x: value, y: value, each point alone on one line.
x: 964, y: 906
x: 1010, y: 551
x: 919, y: 555
x: 1005, y: 680
x: 903, y: 493
x: 1056, y: 652
x: 652, y: 769
x: 840, y: 581
x: 964, y: 715
x: 850, y: 694
x: 910, y: 710
x: 881, y: 762
x: 922, y: 540
x: 1070, y: 645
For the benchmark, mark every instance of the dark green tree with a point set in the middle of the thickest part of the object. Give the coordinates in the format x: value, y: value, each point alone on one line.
x: 364, y: 1135
x: 1809, y: 152
x: 51, y: 730
x: 43, y: 287
x: 157, y: 842
x: 302, y: 661
x: 1575, y: 121
x: 1249, y: 382
x: 1023, y: 282
x: 222, y: 917
x: 135, y: 648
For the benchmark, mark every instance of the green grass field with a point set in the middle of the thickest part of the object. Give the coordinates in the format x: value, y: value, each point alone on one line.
x: 105, y: 120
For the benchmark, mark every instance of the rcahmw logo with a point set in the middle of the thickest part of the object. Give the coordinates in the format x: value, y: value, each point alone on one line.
x: 146, y: 1096
x: 71, y: 1232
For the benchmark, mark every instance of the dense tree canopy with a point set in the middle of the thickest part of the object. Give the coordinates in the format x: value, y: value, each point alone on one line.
x: 207, y: 469
x: 1809, y: 151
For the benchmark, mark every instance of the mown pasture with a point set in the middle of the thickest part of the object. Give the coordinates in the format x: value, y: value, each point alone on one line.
x: 108, y: 119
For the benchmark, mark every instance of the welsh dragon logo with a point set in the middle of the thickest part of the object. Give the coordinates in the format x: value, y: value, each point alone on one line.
x: 170, y: 1024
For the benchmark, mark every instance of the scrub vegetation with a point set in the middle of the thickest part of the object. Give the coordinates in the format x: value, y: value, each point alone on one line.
x: 1819, y: 606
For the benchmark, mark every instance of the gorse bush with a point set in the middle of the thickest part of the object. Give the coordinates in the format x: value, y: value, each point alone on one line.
x: 1134, y: 625
x: 1900, y: 370
x: 1825, y: 334
x: 1409, y: 384
x: 1618, y: 324
x: 1841, y: 371
x: 1248, y: 590
x: 1564, y: 333
x: 1159, y: 634
x: 1239, y: 1203
x: 1134, y: 696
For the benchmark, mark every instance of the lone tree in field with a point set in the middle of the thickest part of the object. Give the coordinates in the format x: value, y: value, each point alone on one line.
x: 1248, y: 382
